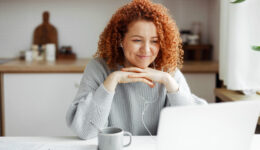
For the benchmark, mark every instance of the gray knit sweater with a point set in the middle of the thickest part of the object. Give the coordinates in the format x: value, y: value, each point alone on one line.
x: 124, y: 108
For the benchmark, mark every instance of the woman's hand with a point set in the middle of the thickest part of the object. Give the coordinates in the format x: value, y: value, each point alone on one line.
x: 123, y: 77
x: 154, y: 75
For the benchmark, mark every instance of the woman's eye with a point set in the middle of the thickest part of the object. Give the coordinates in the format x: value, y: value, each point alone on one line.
x: 137, y: 40
x: 155, y: 41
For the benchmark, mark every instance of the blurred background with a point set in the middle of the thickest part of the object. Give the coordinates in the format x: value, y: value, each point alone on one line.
x: 80, y: 22
x: 41, y: 67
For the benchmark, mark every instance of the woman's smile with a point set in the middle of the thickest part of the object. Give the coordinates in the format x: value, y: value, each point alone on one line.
x: 143, y: 56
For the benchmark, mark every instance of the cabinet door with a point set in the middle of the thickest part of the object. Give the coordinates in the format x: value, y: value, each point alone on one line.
x: 36, y: 104
x: 202, y: 85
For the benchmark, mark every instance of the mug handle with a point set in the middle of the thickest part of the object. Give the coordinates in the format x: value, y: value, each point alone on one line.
x: 130, y: 138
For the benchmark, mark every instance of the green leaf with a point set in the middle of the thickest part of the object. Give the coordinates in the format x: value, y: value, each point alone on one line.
x: 238, y: 1
x: 256, y: 48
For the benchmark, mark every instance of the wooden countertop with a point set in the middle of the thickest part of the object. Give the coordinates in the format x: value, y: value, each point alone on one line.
x: 78, y: 66
x: 59, y: 66
x: 229, y: 95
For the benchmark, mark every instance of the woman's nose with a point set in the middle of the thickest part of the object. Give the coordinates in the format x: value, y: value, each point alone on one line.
x: 146, y: 48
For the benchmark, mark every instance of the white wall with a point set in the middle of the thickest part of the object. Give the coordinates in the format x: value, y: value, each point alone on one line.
x: 79, y: 22
x: 214, y: 23
x: 185, y: 12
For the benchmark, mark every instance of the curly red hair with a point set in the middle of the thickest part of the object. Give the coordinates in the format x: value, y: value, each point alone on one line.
x: 170, y: 55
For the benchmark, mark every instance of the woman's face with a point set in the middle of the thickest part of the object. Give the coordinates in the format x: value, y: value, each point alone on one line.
x: 140, y: 44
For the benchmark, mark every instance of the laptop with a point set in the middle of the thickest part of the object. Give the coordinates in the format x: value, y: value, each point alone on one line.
x: 219, y: 126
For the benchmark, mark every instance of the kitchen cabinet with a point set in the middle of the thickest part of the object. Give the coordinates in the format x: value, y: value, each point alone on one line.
x: 35, y: 96
x: 36, y: 104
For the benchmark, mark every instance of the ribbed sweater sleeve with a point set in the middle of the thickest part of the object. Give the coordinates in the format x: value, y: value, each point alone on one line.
x: 184, y: 95
x: 91, y: 104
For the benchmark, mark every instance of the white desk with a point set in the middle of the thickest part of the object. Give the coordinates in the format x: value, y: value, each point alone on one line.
x: 68, y: 143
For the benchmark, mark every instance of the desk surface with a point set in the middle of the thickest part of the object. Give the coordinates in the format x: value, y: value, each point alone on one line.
x: 66, y: 143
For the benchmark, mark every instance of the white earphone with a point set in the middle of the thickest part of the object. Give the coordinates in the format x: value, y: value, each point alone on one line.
x: 145, y: 107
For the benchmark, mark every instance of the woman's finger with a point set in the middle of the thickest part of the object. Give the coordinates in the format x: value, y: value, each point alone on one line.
x: 141, y: 75
x: 137, y: 75
x: 133, y: 69
x: 151, y: 84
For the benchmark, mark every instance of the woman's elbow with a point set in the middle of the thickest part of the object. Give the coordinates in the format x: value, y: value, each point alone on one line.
x: 83, y: 133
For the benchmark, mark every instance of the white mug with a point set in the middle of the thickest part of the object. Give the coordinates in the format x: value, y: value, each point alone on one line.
x: 111, y: 138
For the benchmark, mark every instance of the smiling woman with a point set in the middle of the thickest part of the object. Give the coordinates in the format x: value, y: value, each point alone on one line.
x: 140, y: 46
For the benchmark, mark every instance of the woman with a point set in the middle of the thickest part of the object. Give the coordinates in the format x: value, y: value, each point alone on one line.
x: 134, y: 74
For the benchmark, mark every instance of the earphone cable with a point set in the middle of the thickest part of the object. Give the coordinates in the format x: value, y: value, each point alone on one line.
x: 145, y: 107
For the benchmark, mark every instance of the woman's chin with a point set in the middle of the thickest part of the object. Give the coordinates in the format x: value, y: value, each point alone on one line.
x: 137, y: 64
x: 142, y: 66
